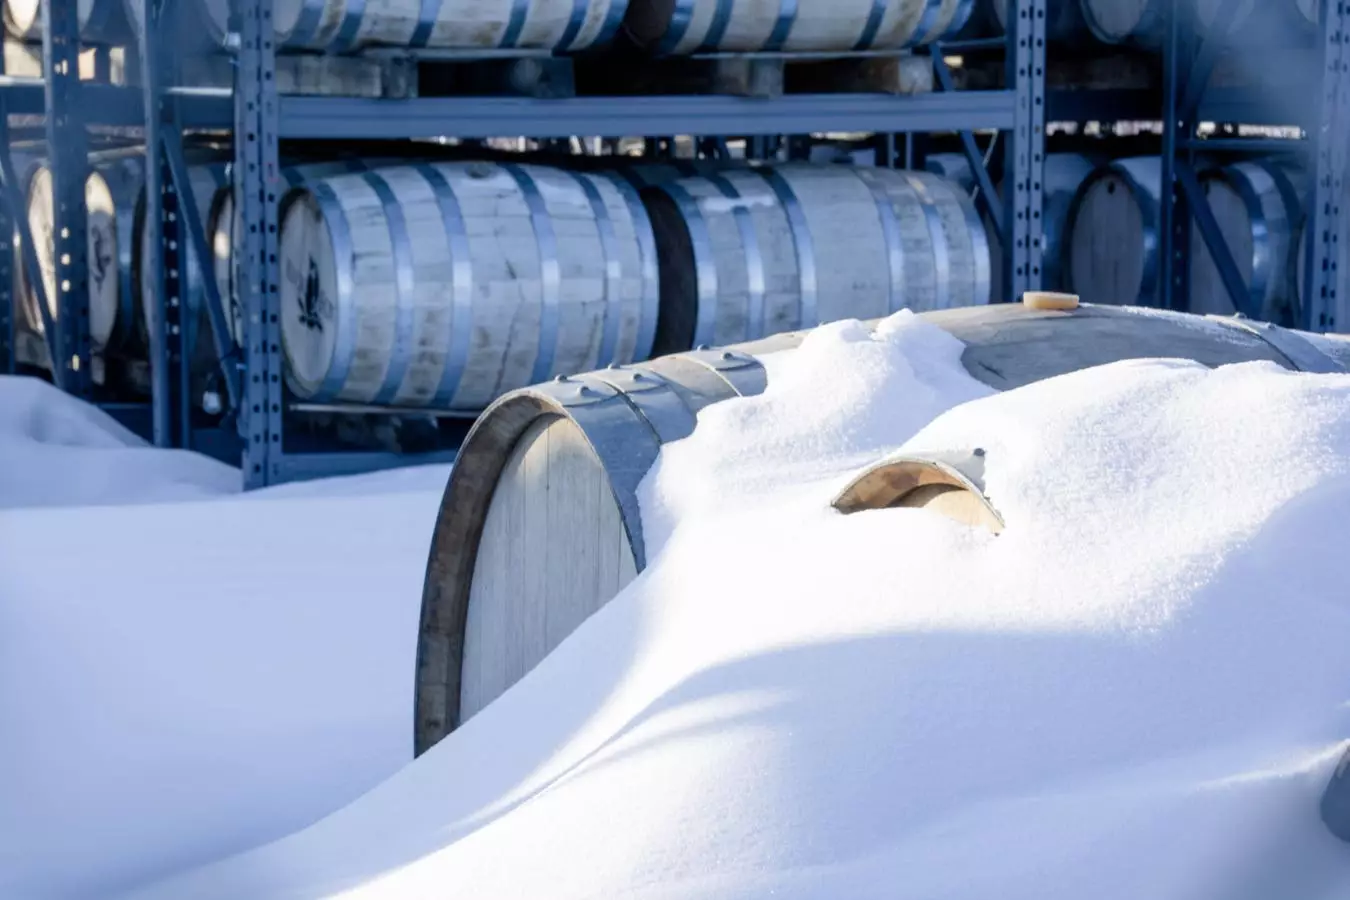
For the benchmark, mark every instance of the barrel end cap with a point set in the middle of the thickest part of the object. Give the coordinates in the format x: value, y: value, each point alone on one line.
x: 950, y: 484
x: 1049, y: 300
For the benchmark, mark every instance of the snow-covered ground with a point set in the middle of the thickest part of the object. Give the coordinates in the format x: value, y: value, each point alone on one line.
x: 1139, y: 689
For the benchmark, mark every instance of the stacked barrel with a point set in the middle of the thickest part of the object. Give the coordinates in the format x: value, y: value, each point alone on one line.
x: 443, y: 284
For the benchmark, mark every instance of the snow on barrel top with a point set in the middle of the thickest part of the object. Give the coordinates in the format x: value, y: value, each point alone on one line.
x: 1136, y: 690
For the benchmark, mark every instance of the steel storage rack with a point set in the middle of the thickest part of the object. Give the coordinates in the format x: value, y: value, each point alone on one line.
x: 70, y: 107
x: 1316, y: 101
x: 252, y: 379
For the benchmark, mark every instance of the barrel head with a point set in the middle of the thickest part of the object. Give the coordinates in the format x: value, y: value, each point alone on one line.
x: 951, y: 485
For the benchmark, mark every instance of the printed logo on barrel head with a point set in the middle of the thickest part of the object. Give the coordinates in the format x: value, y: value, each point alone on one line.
x: 100, y: 259
x: 315, y: 308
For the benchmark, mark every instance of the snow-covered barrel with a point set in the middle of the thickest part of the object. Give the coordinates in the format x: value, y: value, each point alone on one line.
x: 754, y: 252
x: 101, y: 21
x: 1257, y: 207
x: 206, y: 181
x: 690, y: 26
x: 343, y: 25
x: 449, y: 284
x: 549, y: 474
x: 113, y: 197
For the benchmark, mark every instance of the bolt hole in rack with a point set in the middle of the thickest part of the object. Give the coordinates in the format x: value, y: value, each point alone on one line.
x: 1314, y: 100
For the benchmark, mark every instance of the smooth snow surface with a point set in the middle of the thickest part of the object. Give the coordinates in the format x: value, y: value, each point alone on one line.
x: 180, y: 681
x: 57, y: 451
x: 1137, y: 690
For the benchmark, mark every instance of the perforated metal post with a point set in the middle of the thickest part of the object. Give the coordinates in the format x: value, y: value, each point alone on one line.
x: 1324, y: 309
x: 163, y: 259
x: 69, y: 160
x: 1025, y: 159
x: 255, y: 195
x: 1173, y: 235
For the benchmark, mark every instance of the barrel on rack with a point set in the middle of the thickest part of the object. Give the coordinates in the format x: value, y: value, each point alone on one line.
x: 1139, y: 23
x: 101, y: 21
x: 206, y: 181
x: 449, y: 284
x: 1114, y: 236
x: 755, y: 252
x: 1257, y: 207
x: 1113, y: 233
x: 687, y: 26
x: 112, y: 193
x: 540, y: 525
x: 223, y: 226
x: 343, y: 25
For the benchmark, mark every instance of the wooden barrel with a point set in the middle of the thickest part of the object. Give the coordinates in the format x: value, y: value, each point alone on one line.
x: 449, y: 284
x: 1257, y: 207
x: 1112, y: 249
x: 549, y: 474
x: 344, y: 25
x: 338, y: 25
x: 111, y: 196
x: 1141, y: 23
x: 1064, y: 20
x: 687, y: 26
x: 1064, y: 175
x: 760, y: 251
x: 223, y: 225
x: 101, y: 21
x: 206, y: 181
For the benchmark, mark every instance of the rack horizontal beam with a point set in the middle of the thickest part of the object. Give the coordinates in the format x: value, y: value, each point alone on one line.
x: 481, y: 117
x: 100, y: 104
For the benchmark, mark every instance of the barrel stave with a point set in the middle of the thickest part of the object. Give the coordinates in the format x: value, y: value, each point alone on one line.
x: 684, y: 27
x: 469, y: 24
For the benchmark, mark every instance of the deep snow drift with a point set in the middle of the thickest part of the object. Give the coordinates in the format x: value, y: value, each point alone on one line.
x: 1137, y: 690
x: 180, y: 681
x: 58, y: 451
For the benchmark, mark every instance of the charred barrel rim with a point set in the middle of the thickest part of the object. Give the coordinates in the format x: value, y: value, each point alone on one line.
x: 915, y: 481
x: 594, y: 402
x: 454, y: 550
